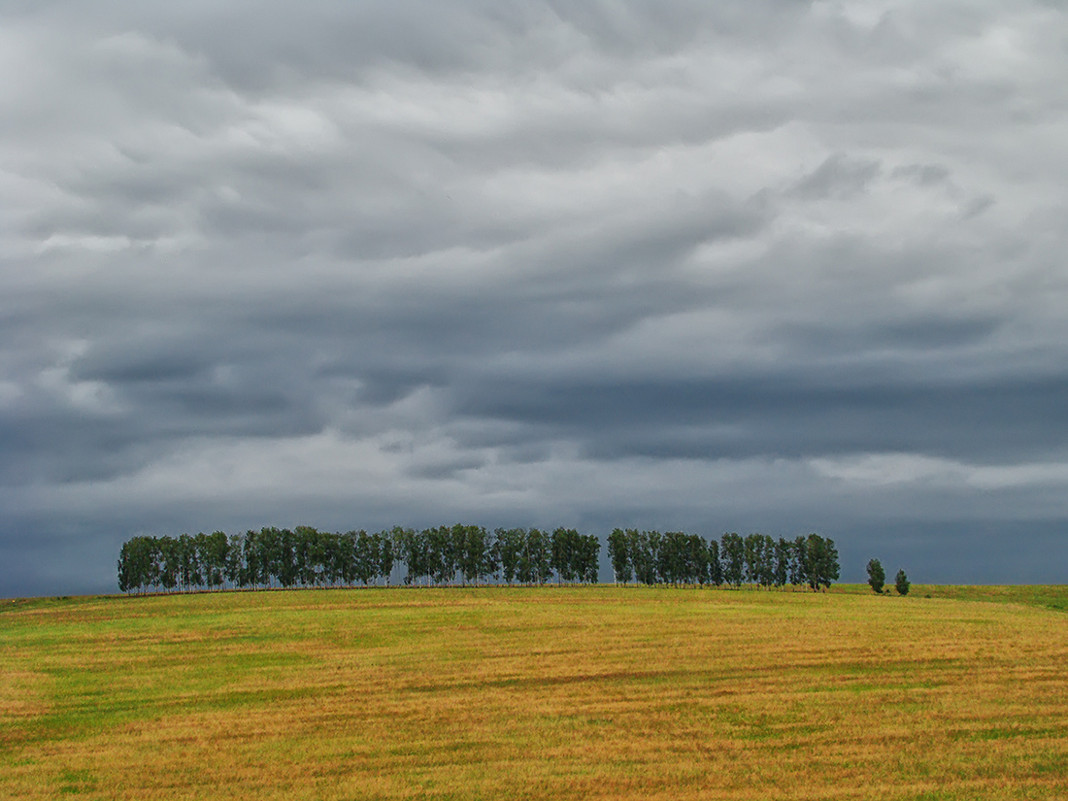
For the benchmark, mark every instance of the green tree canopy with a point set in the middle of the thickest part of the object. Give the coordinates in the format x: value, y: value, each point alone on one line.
x: 876, y: 575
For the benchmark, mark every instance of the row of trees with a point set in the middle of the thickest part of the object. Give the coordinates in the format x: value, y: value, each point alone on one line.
x: 466, y: 554
x: 472, y: 555
x: 306, y: 557
x: 266, y: 558
x: 650, y: 557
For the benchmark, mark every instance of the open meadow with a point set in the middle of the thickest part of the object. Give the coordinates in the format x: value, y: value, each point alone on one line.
x: 538, y: 693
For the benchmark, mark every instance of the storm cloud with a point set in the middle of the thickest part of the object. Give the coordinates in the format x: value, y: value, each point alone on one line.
x: 746, y: 266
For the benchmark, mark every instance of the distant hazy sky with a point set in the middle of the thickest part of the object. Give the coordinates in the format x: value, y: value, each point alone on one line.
x: 755, y: 266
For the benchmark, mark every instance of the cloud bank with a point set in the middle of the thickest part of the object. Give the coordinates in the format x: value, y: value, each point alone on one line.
x: 743, y: 266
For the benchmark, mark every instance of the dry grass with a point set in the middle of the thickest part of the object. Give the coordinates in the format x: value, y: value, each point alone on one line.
x: 598, y: 692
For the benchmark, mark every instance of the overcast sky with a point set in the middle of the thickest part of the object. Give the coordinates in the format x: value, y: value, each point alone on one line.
x: 745, y: 266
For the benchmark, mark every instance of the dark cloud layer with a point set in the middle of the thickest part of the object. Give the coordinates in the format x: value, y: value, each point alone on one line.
x: 752, y: 266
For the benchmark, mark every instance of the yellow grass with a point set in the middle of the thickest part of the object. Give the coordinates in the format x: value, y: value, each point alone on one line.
x: 599, y: 692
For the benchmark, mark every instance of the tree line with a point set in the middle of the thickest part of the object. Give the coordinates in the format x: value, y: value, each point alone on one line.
x: 650, y: 557
x: 307, y: 557
x: 466, y: 554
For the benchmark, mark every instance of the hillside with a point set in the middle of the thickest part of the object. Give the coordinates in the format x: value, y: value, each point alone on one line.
x: 588, y: 692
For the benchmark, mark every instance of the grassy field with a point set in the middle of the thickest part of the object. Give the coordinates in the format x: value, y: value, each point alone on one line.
x: 498, y: 693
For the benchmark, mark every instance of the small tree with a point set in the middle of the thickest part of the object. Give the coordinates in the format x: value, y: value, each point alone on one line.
x: 901, y: 582
x: 876, y: 575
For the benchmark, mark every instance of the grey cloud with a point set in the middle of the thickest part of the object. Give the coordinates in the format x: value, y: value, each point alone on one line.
x: 787, y: 415
x: 915, y: 334
x: 137, y: 361
x: 978, y: 206
x: 839, y: 176
x: 596, y: 263
x: 924, y: 174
